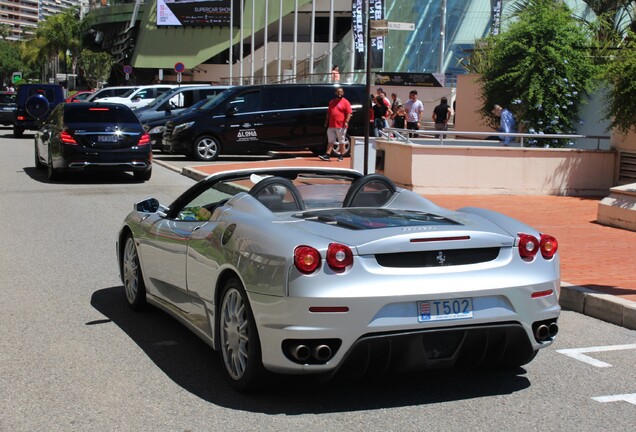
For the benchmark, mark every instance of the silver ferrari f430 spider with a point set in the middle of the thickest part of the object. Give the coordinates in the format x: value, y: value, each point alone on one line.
x: 318, y: 271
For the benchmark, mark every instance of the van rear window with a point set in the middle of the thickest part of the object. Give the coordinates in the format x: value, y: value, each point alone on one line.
x: 77, y: 113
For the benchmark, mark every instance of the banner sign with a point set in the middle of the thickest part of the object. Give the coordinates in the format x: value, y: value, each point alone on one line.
x: 407, y: 79
x: 197, y: 12
x: 359, y: 25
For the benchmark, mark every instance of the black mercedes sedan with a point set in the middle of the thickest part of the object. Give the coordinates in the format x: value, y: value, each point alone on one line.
x: 93, y: 135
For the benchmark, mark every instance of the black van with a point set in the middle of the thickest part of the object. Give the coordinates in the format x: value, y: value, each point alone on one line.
x: 169, y: 105
x: 261, y: 118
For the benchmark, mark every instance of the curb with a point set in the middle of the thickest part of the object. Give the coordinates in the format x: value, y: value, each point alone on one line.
x: 578, y: 299
x: 605, y: 307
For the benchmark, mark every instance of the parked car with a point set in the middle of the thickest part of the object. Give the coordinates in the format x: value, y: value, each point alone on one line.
x: 79, y: 96
x: 139, y: 97
x: 93, y: 135
x: 7, y: 107
x: 34, y: 103
x: 261, y: 118
x: 321, y: 270
x: 110, y: 92
x: 169, y: 105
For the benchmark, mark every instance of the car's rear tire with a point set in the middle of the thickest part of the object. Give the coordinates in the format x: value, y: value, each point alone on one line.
x: 38, y: 163
x: 18, y: 132
x: 239, y: 342
x: 206, y: 148
x: 132, y: 277
x: 143, y: 175
x: 51, y: 173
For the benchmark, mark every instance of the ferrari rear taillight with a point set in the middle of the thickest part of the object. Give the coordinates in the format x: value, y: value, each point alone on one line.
x: 306, y: 259
x: 339, y: 256
x: 548, y: 246
x: 144, y: 140
x: 529, y: 245
x: 67, y: 138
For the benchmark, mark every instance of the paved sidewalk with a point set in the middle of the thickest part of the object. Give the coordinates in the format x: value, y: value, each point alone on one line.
x: 597, y: 262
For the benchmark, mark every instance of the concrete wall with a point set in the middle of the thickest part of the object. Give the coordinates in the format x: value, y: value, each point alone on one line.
x: 434, y: 169
x: 624, y: 142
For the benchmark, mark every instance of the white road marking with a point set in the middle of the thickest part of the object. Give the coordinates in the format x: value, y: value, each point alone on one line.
x: 578, y: 353
x: 629, y: 398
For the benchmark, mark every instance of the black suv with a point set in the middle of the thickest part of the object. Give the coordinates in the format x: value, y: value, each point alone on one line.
x: 34, y: 103
x: 261, y: 118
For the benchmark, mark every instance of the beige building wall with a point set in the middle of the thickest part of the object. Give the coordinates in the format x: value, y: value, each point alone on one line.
x: 468, y: 101
x: 624, y: 142
x: 434, y: 169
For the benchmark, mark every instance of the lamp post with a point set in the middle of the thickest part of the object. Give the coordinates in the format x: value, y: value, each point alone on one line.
x: 367, y: 103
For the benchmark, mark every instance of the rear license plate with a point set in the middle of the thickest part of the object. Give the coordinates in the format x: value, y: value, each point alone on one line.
x: 107, y: 138
x: 443, y: 310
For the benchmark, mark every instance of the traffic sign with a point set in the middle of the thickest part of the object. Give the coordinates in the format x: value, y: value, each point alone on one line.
x: 179, y: 67
x: 401, y: 26
x: 15, y: 77
x: 128, y: 69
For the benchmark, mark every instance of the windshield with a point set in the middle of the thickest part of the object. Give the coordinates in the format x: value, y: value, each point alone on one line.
x: 161, y: 98
x: 128, y: 93
x: 213, y: 102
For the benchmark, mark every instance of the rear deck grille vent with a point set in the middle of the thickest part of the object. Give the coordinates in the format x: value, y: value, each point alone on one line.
x: 441, y: 258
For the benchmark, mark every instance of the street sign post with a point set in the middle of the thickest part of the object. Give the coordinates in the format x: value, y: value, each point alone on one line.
x: 179, y: 68
x: 128, y: 70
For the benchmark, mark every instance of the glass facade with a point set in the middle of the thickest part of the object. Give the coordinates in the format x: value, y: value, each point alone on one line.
x: 419, y: 50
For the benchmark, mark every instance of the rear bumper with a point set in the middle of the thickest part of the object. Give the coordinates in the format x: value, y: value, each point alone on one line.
x: 122, y: 166
x: 75, y: 158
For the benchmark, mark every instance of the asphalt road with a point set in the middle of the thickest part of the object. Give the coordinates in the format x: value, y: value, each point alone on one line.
x: 73, y: 357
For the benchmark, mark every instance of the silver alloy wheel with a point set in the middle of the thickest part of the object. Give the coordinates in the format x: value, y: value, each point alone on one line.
x: 206, y: 149
x: 131, y: 271
x: 234, y: 333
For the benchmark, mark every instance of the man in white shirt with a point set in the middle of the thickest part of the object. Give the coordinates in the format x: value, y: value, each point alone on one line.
x: 414, y: 109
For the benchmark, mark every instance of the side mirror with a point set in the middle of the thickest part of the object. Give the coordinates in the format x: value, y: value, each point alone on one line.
x: 231, y: 111
x: 150, y: 205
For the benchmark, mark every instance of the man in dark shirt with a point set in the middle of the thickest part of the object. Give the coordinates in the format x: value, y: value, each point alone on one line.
x: 441, y: 115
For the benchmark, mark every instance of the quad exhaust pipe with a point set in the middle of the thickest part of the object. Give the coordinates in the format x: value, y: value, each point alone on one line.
x: 545, y: 330
x: 311, y: 352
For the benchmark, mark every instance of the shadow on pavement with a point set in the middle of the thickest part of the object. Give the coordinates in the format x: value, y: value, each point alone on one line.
x: 87, y: 177
x: 193, y: 365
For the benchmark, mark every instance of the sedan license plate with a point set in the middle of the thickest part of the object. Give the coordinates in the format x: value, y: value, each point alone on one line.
x: 107, y: 138
x: 443, y: 310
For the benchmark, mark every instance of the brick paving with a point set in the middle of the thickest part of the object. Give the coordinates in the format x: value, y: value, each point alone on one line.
x: 592, y: 255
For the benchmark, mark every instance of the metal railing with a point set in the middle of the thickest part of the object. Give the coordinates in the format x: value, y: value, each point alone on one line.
x: 405, y: 135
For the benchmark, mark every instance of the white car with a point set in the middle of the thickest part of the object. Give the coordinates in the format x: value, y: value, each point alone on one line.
x: 115, y: 91
x: 141, y: 96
